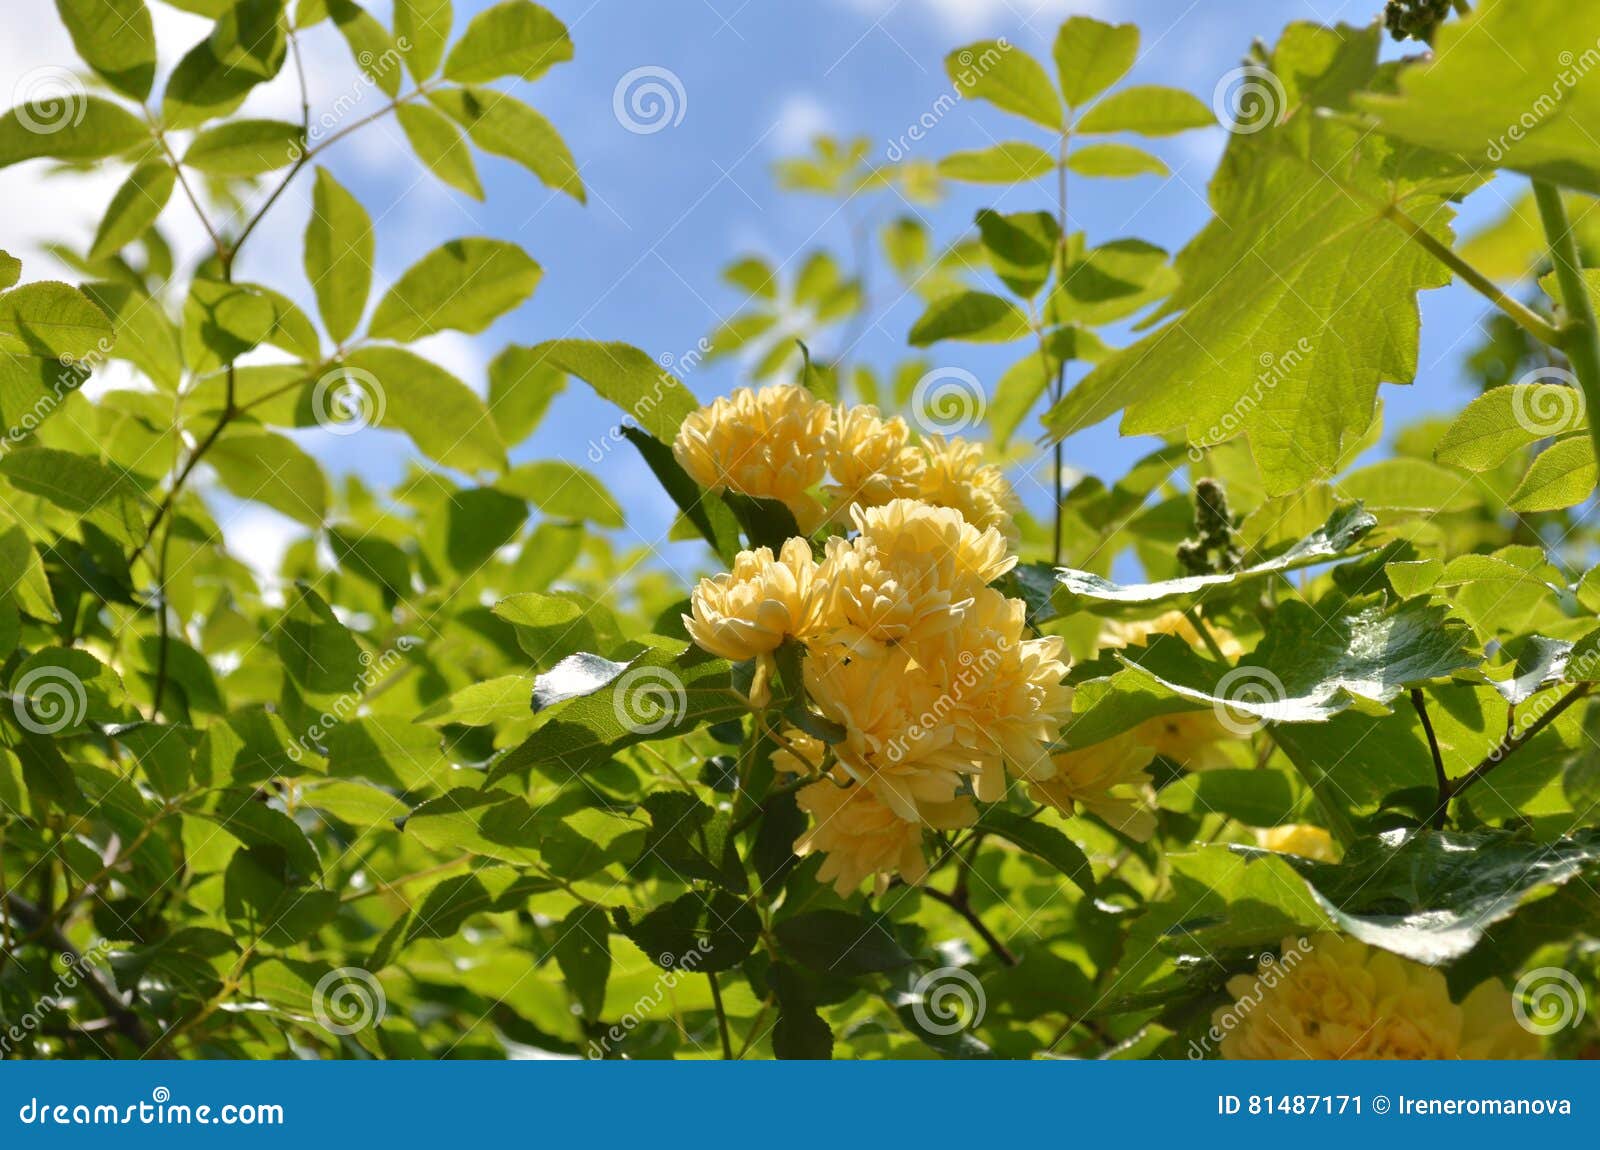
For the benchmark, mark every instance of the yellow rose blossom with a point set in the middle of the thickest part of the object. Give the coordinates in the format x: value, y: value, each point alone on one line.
x: 1333, y: 997
x: 954, y: 475
x: 883, y: 699
x: 863, y: 838
x: 910, y: 572
x: 1109, y: 779
x: 767, y: 443
x: 750, y: 610
x: 1299, y: 839
x: 1176, y: 623
x: 1003, y: 694
x: 871, y: 459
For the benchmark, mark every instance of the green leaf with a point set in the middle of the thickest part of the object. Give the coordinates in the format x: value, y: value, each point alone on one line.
x: 1022, y: 247
x: 839, y: 943
x: 1408, y: 485
x: 706, y: 511
x: 66, y: 126
x: 1109, y: 282
x: 513, y: 38
x: 564, y: 491
x: 973, y: 316
x: 1008, y: 78
x: 339, y: 252
x: 1043, y: 842
x: 1432, y: 896
x: 502, y: 125
x: 1008, y: 163
x: 243, y: 148
x: 1504, y: 420
x: 59, y: 690
x: 373, y: 559
x: 316, y: 650
x: 1299, y: 296
x: 651, y: 395
x: 116, y: 38
x: 251, y: 36
x: 10, y: 270
x: 204, y: 87
x: 521, y: 388
x: 144, y: 336
x: 134, y: 208
x: 443, y: 416
x: 482, y: 704
x: 1310, y: 667
x: 439, y: 147
x: 583, y: 953
x: 1562, y: 475
x: 424, y: 26
x: 665, y: 692
x: 1149, y: 110
x: 1257, y: 798
x: 81, y: 485
x: 390, y: 751
x: 696, y: 933
x: 1344, y: 529
x: 1115, y: 161
x: 271, y: 469
x: 1536, y: 117
x: 472, y: 524
x: 374, y: 50
x: 464, y: 285
x: 1025, y: 381
x: 1091, y: 56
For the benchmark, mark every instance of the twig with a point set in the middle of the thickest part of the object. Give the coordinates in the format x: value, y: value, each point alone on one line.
x: 722, y: 1016
x: 964, y: 909
x: 1515, y: 739
x: 32, y: 917
x: 1420, y: 702
x: 1580, y: 335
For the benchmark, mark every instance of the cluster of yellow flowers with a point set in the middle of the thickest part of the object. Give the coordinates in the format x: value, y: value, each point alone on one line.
x: 781, y: 443
x: 1333, y: 997
x: 921, y: 662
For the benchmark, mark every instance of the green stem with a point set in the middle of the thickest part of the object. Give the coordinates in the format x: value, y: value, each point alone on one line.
x: 1058, y: 388
x: 1580, y: 335
x: 722, y: 1017
x: 1524, y: 316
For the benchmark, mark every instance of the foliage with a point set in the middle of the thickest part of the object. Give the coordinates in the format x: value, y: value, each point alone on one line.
x: 464, y: 780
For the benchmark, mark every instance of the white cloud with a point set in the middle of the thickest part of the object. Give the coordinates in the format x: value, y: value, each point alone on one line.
x: 801, y: 118
x: 978, y: 17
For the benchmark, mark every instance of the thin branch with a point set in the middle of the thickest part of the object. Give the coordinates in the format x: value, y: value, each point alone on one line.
x: 964, y: 909
x: 1441, y: 810
x: 32, y: 917
x: 1524, y: 316
x: 1580, y: 336
x: 1515, y: 739
x: 722, y: 1017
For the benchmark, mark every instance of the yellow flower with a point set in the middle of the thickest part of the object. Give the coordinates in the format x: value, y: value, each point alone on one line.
x: 864, y: 838
x: 1333, y: 997
x: 1002, y: 694
x: 955, y: 475
x: 871, y: 459
x: 1299, y: 839
x: 896, y: 739
x: 767, y: 443
x: 1108, y: 779
x: 910, y: 572
x: 750, y: 610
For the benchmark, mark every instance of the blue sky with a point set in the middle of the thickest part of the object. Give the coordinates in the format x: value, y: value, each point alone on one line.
x: 640, y: 263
